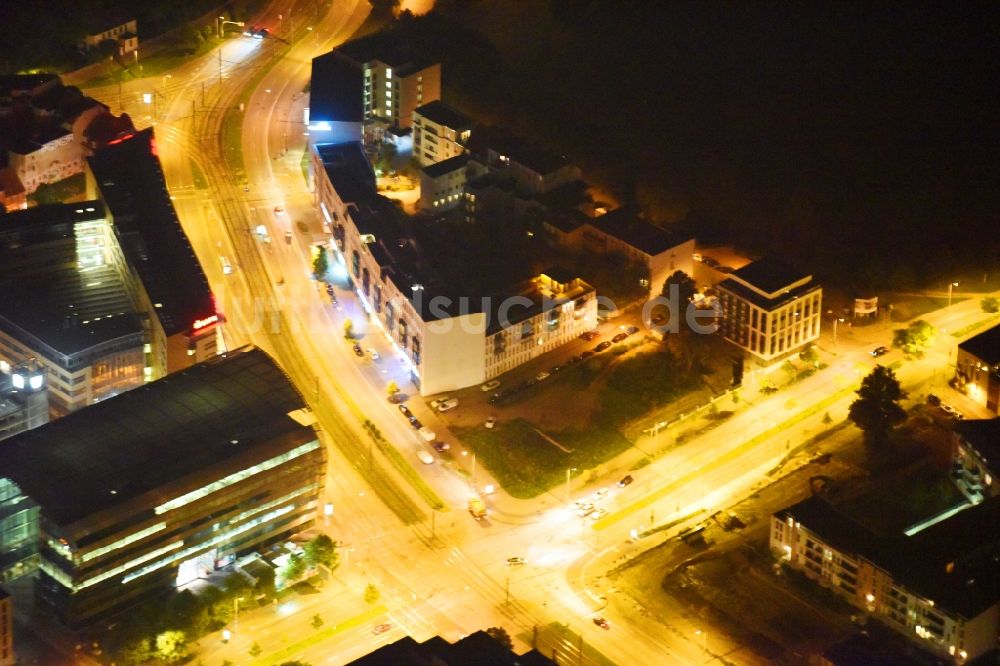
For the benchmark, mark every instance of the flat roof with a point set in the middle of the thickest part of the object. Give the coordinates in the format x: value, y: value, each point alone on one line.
x: 476, y: 648
x: 522, y: 151
x: 336, y: 91
x: 755, y: 297
x: 443, y: 114
x: 45, y: 294
x: 985, y: 346
x: 147, y: 438
x: 348, y: 169
x: 388, y: 47
x: 444, y: 167
x: 130, y: 179
x: 951, y: 563
x: 625, y: 225
x: 770, y: 275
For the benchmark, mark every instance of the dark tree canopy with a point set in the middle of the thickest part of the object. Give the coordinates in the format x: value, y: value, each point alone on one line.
x: 500, y: 635
x: 876, y: 410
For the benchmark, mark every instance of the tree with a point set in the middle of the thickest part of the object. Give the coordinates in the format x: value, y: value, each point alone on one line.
x: 186, y: 612
x: 294, y: 663
x: 827, y: 419
x: 500, y: 635
x: 265, y: 583
x: 348, y: 329
x: 171, y: 645
x: 236, y: 585
x: 294, y: 569
x: 685, y: 286
x: 809, y: 354
x: 317, y: 621
x: 255, y: 650
x: 914, y: 339
x: 320, y: 264
x: 391, y: 389
x: 990, y: 304
x: 321, y: 550
x: 876, y: 410
x: 371, y: 593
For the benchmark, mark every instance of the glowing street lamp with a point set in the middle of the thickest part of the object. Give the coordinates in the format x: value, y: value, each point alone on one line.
x: 836, y: 319
x: 951, y: 285
x: 572, y: 469
x: 226, y: 635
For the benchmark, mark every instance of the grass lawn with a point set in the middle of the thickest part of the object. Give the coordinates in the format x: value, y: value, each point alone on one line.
x: 908, y: 307
x: 60, y: 191
x: 526, y: 463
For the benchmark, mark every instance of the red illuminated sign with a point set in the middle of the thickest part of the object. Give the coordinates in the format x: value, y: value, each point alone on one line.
x: 202, y: 323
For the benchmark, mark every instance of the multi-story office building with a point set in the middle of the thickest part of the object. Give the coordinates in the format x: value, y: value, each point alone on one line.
x: 171, y: 289
x: 6, y: 630
x: 770, y: 310
x: 65, y: 304
x: 442, y: 185
x: 451, y: 338
x: 440, y: 132
x: 977, y: 370
x: 976, y: 458
x: 161, y: 485
x: 18, y: 531
x: 938, y: 587
x: 336, y: 112
x: 24, y: 402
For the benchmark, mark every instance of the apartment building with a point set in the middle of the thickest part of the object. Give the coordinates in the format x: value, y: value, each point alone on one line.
x: 442, y: 185
x: 6, y: 630
x: 163, y: 485
x: 976, y: 458
x: 65, y: 304
x: 440, y: 132
x: 24, y: 401
x: 938, y: 587
x: 171, y: 290
x: 534, y: 169
x: 46, y: 156
x: 977, y: 368
x: 100, y: 30
x: 450, y: 338
x: 770, y: 310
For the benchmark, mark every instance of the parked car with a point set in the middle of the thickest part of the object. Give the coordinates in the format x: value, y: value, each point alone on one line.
x: 357, y: 350
x: 585, y: 355
x: 631, y: 330
x: 541, y: 376
x: 599, y: 494
x: 627, y: 479
x: 279, y: 210
x: 372, y: 354
x: 574, y: 360
x: 490, y: 385
x: 602, y: 623
x: 588, y: 335
x: 381, y: 628
x: 448, y: 405
x: 493, y: 399
x: 601, y: 347
x: 415, y: 422
x: 598, y: 514
x: 515, y: 561
x: 618, y: 338
x: 405, y: 410
x: 490, y: 422
x: 437, y: 402
x: 585, y: 510
x: 879, y: 351
x: 288, y: 237
x: 440, y: 446
x: 933, y: 400
x: 950, y: 411
x: 427, y: 434
x: 425, y: 457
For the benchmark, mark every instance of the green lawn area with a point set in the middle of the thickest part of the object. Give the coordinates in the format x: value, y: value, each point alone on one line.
x: 526, y: 463
x: 906, y: 308
x: 905, y: 500
x: 60, y: 191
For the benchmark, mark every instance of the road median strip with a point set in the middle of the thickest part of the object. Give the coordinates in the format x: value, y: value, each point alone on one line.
x: 321, y: 635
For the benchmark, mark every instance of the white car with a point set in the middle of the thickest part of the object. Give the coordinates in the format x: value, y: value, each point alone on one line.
x: 372, y: 354
x: 490, y: 422
x: 427, y: 434
x: 490, y: 385
x: 599, y: 494
x: 598, y: 514
x: 448, y: 405
x: 425, y: 457
x: 585, y: 510
x: 542, y: 376
x: 437, y: 402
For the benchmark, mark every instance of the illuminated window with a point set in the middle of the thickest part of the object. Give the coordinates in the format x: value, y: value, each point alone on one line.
x: 388, y: 72
x: 388, y: 84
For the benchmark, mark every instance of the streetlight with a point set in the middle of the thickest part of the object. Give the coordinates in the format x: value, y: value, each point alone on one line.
x: 572, y: 469
x: 704, y: 640
x: 236, y: 612
x: 226, y: 635
x: 222, y: 22
x: 835, y: 320
x: 951, y: 285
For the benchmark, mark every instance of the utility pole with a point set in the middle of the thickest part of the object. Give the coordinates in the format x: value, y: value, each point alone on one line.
x: 202, y: 95
x: 121, y: 107
x: 220, y: 66
x: 507, y: 591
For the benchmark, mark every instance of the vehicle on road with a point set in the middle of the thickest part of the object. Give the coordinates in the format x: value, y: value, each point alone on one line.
x: 631, y: 330
x: 599, y: 494
x: 585, y: 510
x: 415, y: 422
x: 493, y: 399
x: 598, y: 514
x: 515, y: 561
x: 625, y: 480
x: 880, y: 351
x: 602, y: 623
x: 358, y: 351
x: 618, y: 338
x: 425, y: 457
x: 490, y: 385
x: 279, y: 210
x: 950, y: 411
x: 588, y: 335
x: 405, y: 410
x: 448, y: 405
x: 440, y: 446
x: 288, y: 237
x: 555, y: 368
x: 427, y: 434
x: 585, y: 355
x: 490, y: 422
x: 372, y: 354
x: 437, y: 402
x: 541, y: 376
x: 381, y: 628
x: 477, y: 508
x: 601, y: 347
x: 227, y: 268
